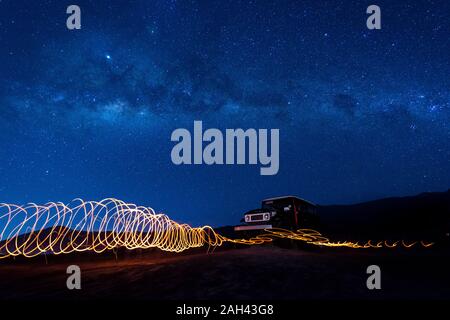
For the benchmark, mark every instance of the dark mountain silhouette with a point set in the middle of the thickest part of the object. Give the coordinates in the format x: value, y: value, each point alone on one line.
x: 421, y: 217
x: 426, y: 215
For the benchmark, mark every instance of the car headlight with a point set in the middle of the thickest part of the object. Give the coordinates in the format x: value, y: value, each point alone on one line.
x: 266, y: 216
x: 247, y: 218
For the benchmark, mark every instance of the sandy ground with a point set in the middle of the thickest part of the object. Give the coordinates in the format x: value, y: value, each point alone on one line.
x: 259, y: 272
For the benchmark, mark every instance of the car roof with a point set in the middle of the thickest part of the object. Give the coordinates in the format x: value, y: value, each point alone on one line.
x: 292, y: 197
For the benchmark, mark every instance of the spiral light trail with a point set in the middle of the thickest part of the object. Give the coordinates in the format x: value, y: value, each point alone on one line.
x: 57, y: 228
x: 93, y: 226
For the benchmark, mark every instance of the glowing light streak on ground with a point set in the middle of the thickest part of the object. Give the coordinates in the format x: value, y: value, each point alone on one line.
x: 57, y: 228
x: 314, y: 237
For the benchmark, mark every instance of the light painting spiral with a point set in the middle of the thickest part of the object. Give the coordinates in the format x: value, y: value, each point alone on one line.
x: 57, y: 228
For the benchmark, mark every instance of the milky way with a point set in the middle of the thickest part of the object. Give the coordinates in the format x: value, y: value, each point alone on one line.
x: 88, y: 113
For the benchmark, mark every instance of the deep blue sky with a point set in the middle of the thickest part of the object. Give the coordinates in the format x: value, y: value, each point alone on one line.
x: 362, y: 114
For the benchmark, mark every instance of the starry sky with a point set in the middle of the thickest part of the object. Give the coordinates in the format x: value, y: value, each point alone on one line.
x: 363, y: 114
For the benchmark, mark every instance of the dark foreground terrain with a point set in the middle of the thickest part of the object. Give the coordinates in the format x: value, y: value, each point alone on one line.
x: 264, y: 272
x: 258, y: 272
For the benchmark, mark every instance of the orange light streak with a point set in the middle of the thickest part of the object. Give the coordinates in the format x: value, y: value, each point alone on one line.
x: 57, y: 228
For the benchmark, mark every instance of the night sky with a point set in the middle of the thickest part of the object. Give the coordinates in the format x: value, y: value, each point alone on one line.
x: 363, y: 114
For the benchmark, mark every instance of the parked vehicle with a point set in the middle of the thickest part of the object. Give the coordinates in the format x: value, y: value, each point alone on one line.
x: 287, y: 212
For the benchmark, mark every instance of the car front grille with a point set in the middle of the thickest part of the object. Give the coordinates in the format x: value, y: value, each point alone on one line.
x: 257, y: 217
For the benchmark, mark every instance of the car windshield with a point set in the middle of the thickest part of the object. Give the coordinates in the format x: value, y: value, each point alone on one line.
x: 268, y: 207
x: 282, y: 205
